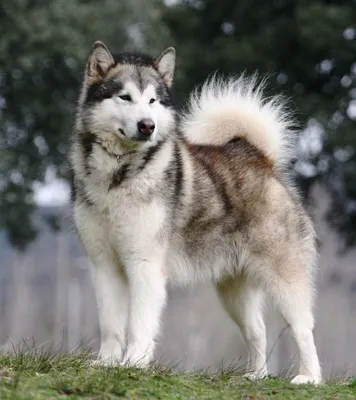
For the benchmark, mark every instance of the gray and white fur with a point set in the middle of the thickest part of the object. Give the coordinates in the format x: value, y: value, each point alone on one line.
x: 205, y: 199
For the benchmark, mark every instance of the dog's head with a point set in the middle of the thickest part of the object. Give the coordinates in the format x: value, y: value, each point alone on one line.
x: 128, y: 95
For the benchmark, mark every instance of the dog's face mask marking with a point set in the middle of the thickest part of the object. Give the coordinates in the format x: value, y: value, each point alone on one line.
x: 129, y: 100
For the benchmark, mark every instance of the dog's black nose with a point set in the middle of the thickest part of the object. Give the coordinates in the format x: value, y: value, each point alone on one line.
x: 146, y: 126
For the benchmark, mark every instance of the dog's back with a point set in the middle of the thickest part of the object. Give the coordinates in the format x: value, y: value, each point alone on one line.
x: 235, y: 209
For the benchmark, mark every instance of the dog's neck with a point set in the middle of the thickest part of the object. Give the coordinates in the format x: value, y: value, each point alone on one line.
x: 117, y: 151
x: 114, y: 147
x: 121, y: 151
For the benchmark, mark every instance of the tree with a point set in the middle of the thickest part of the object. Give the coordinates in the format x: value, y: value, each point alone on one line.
x: 307, y: 46
x: 309, y: 49
x: 43, y: 49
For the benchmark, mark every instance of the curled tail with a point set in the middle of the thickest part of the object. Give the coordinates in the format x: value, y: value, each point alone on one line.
x: 225, y: 109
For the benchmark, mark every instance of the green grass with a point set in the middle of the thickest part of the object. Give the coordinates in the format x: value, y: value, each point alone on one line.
x: 46, y: 376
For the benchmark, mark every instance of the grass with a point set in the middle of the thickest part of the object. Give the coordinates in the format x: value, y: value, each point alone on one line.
x: 47, y: 376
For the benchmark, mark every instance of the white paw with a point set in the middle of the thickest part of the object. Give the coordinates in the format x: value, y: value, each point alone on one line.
x: 105, y: 362
x: 136, y: 360
x: 254, y: 376
x: 136, y: 357
x: 304, y: 379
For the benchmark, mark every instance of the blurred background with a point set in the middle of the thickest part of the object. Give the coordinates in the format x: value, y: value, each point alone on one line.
x: 307, y: 47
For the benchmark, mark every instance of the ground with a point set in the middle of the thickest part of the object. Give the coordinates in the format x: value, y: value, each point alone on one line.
x: 46, y: 376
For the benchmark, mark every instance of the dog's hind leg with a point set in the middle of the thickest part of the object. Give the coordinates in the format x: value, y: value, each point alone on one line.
x: 244, y: 303
x: 294, y: 301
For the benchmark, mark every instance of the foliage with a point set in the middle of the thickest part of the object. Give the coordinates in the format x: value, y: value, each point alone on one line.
x: 308, y: 48
x: 43, y: 49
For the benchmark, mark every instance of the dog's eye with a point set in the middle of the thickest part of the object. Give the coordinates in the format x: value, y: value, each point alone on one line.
x: 152, y: 101
x: 125, y: 97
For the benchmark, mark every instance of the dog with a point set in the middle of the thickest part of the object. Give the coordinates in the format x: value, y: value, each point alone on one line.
x: 204, y: 196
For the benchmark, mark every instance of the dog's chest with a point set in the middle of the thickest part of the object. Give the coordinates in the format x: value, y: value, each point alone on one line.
x: 134, y: 217
x: 121, y: 191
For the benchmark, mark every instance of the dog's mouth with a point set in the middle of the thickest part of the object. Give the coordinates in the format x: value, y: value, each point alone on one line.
x: 140, y: 137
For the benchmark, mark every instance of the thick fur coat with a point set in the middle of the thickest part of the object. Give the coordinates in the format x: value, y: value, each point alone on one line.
x: 159, y: 201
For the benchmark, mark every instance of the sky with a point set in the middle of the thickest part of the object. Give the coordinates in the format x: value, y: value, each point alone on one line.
x: 53, y: 192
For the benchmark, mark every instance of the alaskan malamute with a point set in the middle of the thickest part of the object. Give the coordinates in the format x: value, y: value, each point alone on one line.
x: 159, y: 200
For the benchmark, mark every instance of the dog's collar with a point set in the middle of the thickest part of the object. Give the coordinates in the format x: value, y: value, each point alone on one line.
x: 119, y: 157
x: 109, y: 150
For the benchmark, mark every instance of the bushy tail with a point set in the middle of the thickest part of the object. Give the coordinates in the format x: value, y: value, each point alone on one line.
x: 225, y: 109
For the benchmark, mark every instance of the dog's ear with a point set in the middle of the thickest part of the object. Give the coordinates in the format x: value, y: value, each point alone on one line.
x: 165, y: 64
x: 99, y: 63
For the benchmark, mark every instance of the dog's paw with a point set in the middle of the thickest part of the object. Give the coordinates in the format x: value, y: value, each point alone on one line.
x: 136, y: 357
x: 105, y: 362
x: 136, y: 361
x: 254, y: 376
x: 304, y: 379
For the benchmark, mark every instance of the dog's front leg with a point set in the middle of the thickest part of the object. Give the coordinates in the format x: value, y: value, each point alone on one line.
x: 147, y: 286
x: 110, y: 284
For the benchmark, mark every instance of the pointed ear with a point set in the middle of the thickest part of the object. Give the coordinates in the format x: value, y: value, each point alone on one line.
x: 99, y: 63
x: 165, y: 63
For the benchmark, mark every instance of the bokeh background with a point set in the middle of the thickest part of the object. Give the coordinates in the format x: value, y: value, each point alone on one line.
x: 306, y: 47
